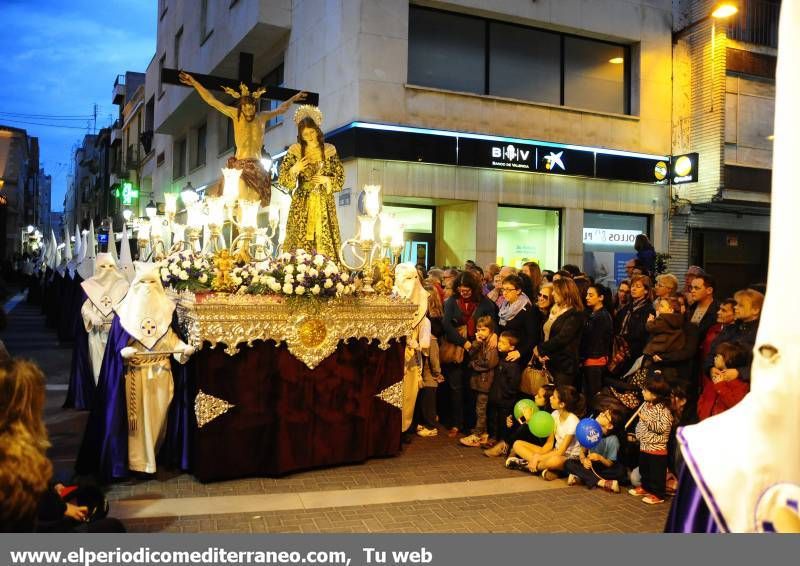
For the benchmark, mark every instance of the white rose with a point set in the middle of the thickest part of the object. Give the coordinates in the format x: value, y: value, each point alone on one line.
x: 319, y: 260
x: 183, y: 276
x: 186, y: 264
x: 348, y: 289
x: 328, y: 284
x: 198, y: 264
x: 300, y: 277
x: 288, y: 279
x: 339, y: 287
x: 315, y: 289
x: 300, y: 290
x: 302, y: 268
x: 287, y: 288
x: 203, y: 278
x: 275, y: 286
x: 329, y: 270
x: 164, y: 273
x: 174, y: 269
x: 270, y: 280
x: 299, y: 251
x: 289, y: 268
x: 313, y: 272
x: 345, y: 277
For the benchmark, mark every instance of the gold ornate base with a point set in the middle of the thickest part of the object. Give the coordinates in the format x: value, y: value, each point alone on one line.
x: 311, y: 328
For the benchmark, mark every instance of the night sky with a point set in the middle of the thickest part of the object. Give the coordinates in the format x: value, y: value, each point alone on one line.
x: 57, y: 59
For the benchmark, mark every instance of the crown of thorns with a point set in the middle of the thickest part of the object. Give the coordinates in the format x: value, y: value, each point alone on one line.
x: 308, y: 111
x: 244, y: 92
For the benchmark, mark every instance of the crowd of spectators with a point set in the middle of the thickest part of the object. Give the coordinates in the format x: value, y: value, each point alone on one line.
x: 649, y: 353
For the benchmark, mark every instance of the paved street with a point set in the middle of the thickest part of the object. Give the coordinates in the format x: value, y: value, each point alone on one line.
x: 433, y: 486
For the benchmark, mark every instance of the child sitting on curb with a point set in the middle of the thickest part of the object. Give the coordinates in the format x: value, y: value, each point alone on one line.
x: 598, y: 466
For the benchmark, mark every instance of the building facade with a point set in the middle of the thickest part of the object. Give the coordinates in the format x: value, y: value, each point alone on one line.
x: 579, y: 123
x: 504, y: 132
x: 43, y: 214
x: 19, y: 188
x: 724, y: 93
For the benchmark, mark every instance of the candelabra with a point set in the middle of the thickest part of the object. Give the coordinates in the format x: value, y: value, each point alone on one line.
x: 364, y: 247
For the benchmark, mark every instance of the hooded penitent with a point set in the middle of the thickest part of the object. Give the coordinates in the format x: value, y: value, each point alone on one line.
x: 408, y: 286
x: 146, y: 311
x: 86, y: 266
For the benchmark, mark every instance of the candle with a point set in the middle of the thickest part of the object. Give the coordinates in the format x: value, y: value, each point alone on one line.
x: 248, y: 213
x: 366, y: 228
x: 216, y: 210
x: 170, y: 203
x: 372, y: 200
x: 230, y: 190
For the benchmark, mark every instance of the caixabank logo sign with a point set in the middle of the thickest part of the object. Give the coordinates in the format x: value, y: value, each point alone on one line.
x: 684, y: 168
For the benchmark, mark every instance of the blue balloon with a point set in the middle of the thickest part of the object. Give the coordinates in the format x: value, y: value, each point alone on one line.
x: 589, y: 433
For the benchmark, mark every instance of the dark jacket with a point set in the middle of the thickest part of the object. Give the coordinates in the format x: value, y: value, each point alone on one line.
x: 483, y: 359
x: 453, y: 317
x: 597, y: 335
x: 635, y: 331
x: 648, y: 258
x: 528, y: 328
x: 746, y: 335
x: 505, y: 387
x: 709, y: 318
x: 678, y: 365
x: 562, y: 347
x: 666, y: 334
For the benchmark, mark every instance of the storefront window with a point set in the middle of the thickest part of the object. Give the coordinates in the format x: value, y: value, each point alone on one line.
x: 417, y: 223
x: 608, y: 244
x: 527, y: 234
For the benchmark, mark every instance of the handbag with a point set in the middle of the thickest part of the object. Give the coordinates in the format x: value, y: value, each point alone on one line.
x: 534, y: 379
x: 620, y: 354
x: 450, y: 353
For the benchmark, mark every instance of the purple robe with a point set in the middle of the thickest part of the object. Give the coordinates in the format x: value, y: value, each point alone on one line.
x: 689, y: 512
x: 81, y: 377
x: 104, y: 449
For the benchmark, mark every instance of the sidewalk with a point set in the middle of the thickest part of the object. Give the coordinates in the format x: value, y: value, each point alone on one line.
x: 435, y: 485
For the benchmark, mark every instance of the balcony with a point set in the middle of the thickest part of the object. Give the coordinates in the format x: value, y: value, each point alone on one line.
x: 116, y: 132
x: 118, y: 94
x: 756, y: 22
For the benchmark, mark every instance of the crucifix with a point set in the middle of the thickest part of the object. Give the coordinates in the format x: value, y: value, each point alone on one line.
x: 248, y: 124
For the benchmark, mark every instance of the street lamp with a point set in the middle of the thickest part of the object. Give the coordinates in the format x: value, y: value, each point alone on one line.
x: 127, y: 214
x: 188, y: 196
x: 721, y: 11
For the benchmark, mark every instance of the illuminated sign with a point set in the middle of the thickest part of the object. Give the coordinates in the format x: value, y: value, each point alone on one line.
x: 513, y: 157
x: 126, y: 193
x: 553, y: 160
x: 684, y: 168
x: 661, y: 170
x: 609, y: 237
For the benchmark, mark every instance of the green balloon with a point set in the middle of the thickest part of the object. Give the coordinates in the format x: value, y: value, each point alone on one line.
x: 541, y: 424
x: 523, y: 404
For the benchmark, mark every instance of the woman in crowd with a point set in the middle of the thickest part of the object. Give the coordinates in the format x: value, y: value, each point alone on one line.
x: 666, y: 286
x: 518, y: 315
x: 596, y: 340
x: 544, y: 301
x: 532, y: 279
x: 645, y: 252
x: 461, y: 311
x: 632, y: 319
x: 621, y: 297
x: 558, y: 351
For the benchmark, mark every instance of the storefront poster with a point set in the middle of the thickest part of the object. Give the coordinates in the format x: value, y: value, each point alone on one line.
x: 620, y: 259
x: 600, y: 266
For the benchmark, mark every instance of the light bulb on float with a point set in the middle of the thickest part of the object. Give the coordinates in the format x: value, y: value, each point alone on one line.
x: 171, y: 206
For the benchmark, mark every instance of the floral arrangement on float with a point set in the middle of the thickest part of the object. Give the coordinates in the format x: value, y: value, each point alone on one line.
x: 301, y: 274
x: 184, y: 271
x: 298, y: 274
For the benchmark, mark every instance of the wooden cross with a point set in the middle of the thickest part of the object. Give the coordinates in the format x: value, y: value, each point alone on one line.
x: 245, y: 75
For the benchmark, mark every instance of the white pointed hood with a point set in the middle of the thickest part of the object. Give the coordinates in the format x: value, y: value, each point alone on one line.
x: 146, y: 311
x: 746, y: 461
x: 52, y: 250
x: 86, y: 267
x: 107, y: 286
x: 125, y: 259
x: 408, y: 286
x: 111, y: 249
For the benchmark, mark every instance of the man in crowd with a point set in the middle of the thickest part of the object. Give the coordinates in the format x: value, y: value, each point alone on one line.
x: 703, y: 312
